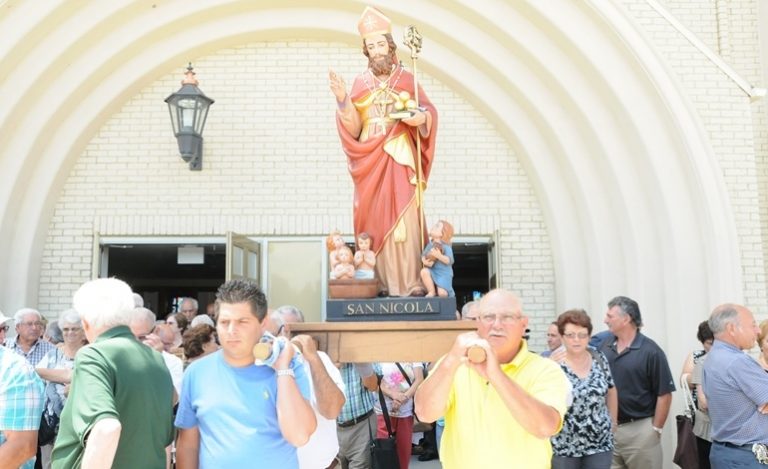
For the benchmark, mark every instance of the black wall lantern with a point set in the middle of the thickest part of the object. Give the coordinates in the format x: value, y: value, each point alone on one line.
x: 189, y: 110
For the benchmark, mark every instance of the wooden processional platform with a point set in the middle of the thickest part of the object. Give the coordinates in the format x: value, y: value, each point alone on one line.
x: 391, y: 329
x: 383, y: 341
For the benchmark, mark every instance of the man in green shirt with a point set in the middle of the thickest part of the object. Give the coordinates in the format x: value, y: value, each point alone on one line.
x: 119, y: 410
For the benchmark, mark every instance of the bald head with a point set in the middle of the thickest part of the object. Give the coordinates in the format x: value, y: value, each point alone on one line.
x: 501, y: 296
x: 142, y: 322
x: 734, y: 324
x: 502, y: 323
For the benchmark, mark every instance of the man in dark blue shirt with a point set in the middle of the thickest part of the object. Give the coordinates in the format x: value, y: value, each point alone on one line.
x: 644, y: 383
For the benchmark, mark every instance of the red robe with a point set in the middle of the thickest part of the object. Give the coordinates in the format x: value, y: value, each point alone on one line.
x: 385, y: 186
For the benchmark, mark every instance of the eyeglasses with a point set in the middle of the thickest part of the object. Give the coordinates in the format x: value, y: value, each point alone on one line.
x: 505, y: 319
x: 573, y: 335
x: 31, y: 324
x: 4, y: 328
x: 553, y: 335
x: 143, y: 337
x: 67, y: 330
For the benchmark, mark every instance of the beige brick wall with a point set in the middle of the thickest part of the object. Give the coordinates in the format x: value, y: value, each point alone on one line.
x: 735, y: 131
x: 273, y: 166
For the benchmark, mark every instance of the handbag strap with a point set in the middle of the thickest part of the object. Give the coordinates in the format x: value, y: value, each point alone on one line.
x: 405, y: 375
x: 384, y: 410
x: 690, y: 407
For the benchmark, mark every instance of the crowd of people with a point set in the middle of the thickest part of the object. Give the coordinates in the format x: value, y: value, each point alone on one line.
x: 120, y: 390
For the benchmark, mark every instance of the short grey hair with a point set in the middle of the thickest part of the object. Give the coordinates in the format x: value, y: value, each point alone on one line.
x: 722, y: 316
x: 201, y: 319
x: 18, y: 317
x: 187, y: 298
x: 465, y: 309
x: 138, y: 300
x: 628, y: 307
x: 288, y: 310
x: 143, y: 315
x: 69, y: 316
x: 104, y: 303
x: 276, y: 321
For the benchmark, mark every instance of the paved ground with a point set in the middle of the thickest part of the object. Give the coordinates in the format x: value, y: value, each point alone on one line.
x: 416, y: 464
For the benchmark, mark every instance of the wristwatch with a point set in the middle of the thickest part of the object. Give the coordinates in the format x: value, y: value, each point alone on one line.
x: 656, y: 429
x: 286, y: 372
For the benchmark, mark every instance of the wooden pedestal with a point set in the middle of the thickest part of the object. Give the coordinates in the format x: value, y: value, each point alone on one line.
x: 407, y: 341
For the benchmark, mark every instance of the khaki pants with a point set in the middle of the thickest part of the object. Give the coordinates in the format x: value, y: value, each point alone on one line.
x: 355, y: 444
x: 638, y: 446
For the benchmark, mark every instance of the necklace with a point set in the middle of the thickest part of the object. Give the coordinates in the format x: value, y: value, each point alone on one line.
x: 383, y: 93
x: 580, y: 365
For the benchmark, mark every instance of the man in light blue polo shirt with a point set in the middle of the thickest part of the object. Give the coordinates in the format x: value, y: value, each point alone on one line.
x: 736, y: 387
x: 233, y: 413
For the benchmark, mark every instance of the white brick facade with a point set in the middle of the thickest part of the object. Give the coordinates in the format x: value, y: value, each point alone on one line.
x: 273, y: 166
x: 612, y: 156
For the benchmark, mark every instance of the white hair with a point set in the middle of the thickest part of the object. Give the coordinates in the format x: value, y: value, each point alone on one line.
x: 18, y: 317
x: 202, y: 319
x: 289, y: 310
x: 69, y: 316
x: 722, y: 316
x: 104, y: 303
x: 143, y: 314
x: 138, y: 300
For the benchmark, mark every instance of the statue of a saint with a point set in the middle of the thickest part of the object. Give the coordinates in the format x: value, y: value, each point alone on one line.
x: 382, y: 156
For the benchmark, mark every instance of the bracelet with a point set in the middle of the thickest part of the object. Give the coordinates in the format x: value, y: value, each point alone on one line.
x: 656, y: 429
x: 286, y: 372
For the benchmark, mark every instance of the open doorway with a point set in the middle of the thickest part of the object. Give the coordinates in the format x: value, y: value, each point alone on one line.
x: 151, y: 267
x: 472, y: 270
x: 154, y: 272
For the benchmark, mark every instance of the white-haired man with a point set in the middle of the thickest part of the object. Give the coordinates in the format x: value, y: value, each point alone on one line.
x: 143, y: 328
x: 29, y: 341
x: 327, y: 395
x: 21, y: 404
x: 188, y: 307
x: 119, y: 410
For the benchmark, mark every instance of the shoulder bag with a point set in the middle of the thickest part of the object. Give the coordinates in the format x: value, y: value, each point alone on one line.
x: 686, y: 452
x: 384, y: 450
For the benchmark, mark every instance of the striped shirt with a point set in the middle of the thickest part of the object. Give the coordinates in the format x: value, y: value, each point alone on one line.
x: 736, y: 386
x: 21, y: 397
x: 36, y: 352
x: 359, y: 400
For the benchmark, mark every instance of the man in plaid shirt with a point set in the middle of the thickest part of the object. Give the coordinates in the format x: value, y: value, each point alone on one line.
x: 29, y: 342
x: 21, y: 404
x: 354, y: 424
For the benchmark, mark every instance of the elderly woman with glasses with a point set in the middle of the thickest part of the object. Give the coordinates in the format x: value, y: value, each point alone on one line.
x: 56, y: 369
x: 586, y: 440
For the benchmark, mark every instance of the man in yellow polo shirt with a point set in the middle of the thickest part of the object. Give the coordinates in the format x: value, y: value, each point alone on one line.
x: 499, y: 413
